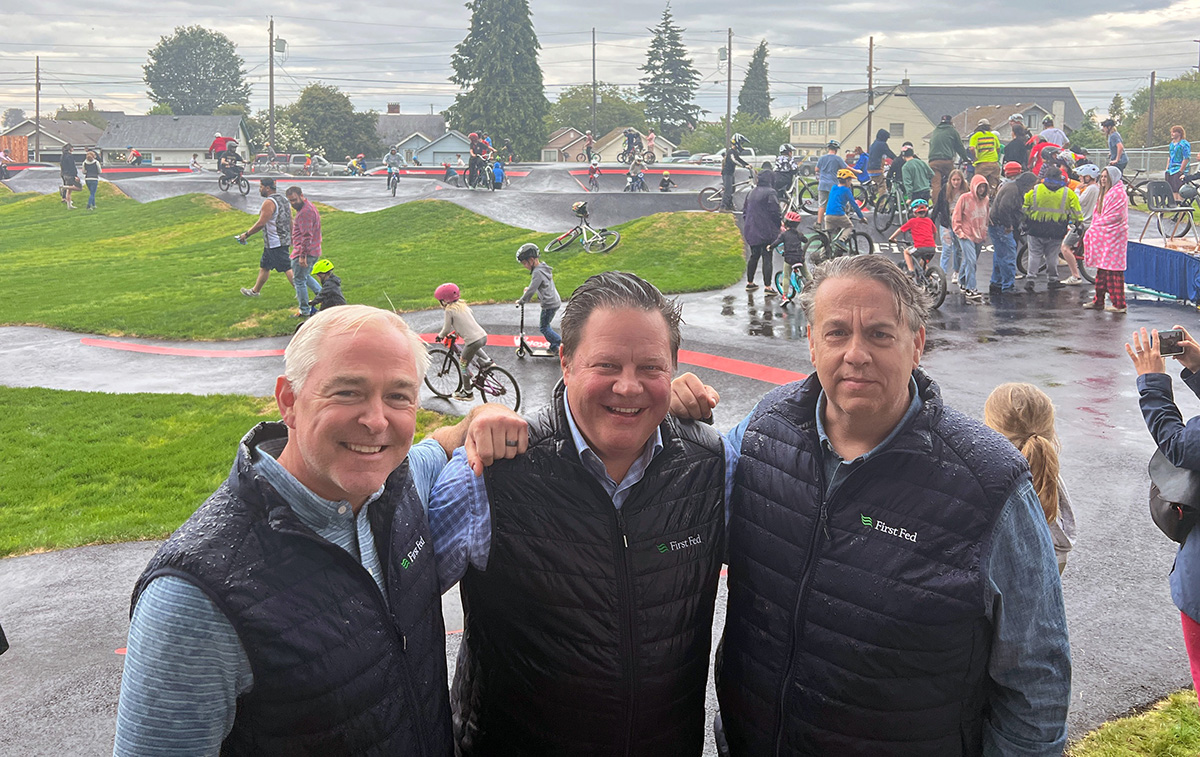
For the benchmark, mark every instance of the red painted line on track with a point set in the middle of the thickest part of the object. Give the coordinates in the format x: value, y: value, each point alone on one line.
x: 119, y: 650
x: 732, y: 366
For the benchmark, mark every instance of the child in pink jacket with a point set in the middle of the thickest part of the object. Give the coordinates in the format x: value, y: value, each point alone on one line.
x: 969, y: 221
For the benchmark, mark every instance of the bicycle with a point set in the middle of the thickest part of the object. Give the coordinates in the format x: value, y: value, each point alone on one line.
x: 225, y: 182
x: 629, y: 155
x: 393, y: 180
x: 711, y: 198
x: 929, y: 276
x: 1023, y: 257
x: 848, y: 241
x: 593, y: 240
x: 593, y: 182
x: 891, y: 208
x: 444, y: 376
x: 809, y: 197
x: 1135, y: 186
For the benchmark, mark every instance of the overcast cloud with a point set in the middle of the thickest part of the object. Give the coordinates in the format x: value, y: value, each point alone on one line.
x: 402, y: 54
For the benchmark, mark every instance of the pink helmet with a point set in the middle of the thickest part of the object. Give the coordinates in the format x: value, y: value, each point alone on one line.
x: 447, y: 293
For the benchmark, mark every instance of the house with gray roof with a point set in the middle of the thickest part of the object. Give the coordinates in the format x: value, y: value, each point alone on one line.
x: 81, y: 135
x: 169, y: 140
x: 395, y: 128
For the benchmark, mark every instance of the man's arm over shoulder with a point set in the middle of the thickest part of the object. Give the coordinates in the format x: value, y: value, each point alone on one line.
x: 184, y: 670
x: 1029, y: 665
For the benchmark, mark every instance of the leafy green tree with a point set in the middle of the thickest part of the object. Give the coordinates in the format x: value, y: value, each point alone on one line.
x: 195, y: 70
x: 617, y: 107
x: 12, y: 117
x: 670, y: 82
x: 162, y: 109
x: 81, y: 113
x: 1167, y: 113
x: 1182, y: 87
x: 1088, y: 135
x: 755, y: 97
x: 288, y: 137
x: 231, y: 109
x: 497, y: 67
x: 328, y: 125
x: 1116, y: 108
x: 765, y: 135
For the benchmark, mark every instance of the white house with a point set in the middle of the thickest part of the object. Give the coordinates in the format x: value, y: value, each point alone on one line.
x: 170, y: 140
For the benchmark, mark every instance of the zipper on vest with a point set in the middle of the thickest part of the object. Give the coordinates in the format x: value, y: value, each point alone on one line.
x: 625, y: 598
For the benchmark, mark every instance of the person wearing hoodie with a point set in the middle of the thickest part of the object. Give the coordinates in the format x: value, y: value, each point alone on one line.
x: 91, y: 176
x: 761, y: 222
x: 945, y: 145
x: 1049, y: 207
x: 1004, y: 222
x: 1104, y: 244
x: 875, y: 154
x: 969, y: 222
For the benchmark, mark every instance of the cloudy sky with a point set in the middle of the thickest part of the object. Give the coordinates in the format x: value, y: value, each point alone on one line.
x: 402, y: 53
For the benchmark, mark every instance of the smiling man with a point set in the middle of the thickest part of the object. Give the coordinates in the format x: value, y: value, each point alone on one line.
x: 591, y: 567
x: 298, y: 611
x: 892, y: 585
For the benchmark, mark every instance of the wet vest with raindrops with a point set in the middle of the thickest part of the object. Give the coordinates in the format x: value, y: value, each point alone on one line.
x: 338, y: 669
x: 856, y: 626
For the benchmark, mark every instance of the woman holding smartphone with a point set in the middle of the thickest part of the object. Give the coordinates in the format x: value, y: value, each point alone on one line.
x: 1180, y: 442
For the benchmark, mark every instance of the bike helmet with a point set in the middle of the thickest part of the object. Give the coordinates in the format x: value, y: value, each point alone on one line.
x: 1012, y: 168
x: 1048, y: 121
x: 473, y: 135
x: 447, y: 293
x: 1188, y: 192
x: 580, y: 209
x: 833, y: 144
x: 737, y: 140
x: 527, y: 251
x: 666, y: 174
x: 792, y: 217
x: 322, y: 266
x: 918, y: 205
x: 1090, y: 170
x: 785, y: 148
x: 360, y: 156
x: 595, y: 160
x: 846, y: 173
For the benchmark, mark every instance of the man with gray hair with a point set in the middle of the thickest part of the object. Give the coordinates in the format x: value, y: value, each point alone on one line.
x: 892, y: 584
x: 591, y: 562
x: 298, y: 611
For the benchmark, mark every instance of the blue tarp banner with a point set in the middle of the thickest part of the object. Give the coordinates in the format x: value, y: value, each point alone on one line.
x: 1168, y: 271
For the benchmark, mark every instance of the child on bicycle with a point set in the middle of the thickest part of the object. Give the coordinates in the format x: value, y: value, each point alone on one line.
x: 841, y: 202
x: 541, y: 284
x: 594, y: 170
x: 666, y: 182
x: 460, y: 320
x: 924, y: 234
x: 792, y: 241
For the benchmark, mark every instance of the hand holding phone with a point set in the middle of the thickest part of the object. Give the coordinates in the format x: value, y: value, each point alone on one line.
x: 1170, y: 342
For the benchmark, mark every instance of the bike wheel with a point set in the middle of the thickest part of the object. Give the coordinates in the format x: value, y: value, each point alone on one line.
x: 394, y: 182
x: 1089, y: 275
x: 223, y: 183
x: 859, y: 243
x: 563, y: 241
x: 782, y: 282
x: 1023, y: 254
x: 444, y: 375
x: 498, y: 385
x: 1174, y: 224
x: 861, y: 196
x: 581, y: 157
x: 608, y: 239
x: 649, y: 158
x: 935, y: 284
x: 818, y: 242
x: 593, y: 185
x: 809, y: 199
x: 885, y: 214
x: 710, y: 198
x: 243, y: 185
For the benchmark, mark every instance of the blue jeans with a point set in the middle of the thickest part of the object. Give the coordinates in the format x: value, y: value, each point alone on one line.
x: 91, y: 185
x: 951, y: 252
x: 1004, y: 261
x: 970, y: 258
x: 547, y: 331
x: 303, y: 280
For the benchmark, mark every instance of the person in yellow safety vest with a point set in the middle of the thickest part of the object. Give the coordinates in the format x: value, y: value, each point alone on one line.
x: 984, y: 145
x: 1049, y: 207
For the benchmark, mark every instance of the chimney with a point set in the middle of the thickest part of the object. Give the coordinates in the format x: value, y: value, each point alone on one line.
x: 815, y: 95
x: 393, y: 109
x: 906, y: 83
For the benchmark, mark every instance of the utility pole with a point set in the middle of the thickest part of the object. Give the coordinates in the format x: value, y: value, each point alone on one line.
x: 271, y: 84
x: 1198, y: 42
x: 37, y: 109
x: 870, y: 85
x: 593, y: 81
x: 729, y: 90
x: 1150, y: 113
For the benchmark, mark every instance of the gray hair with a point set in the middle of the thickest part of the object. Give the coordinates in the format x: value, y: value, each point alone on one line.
x: 912, y: 303
x: 304, y: 350
x: 615, y: 290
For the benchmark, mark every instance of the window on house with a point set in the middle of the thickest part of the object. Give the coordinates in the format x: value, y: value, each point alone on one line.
x: 897, y: 130
x: 820, y: 127
x: 832, y: 128
x: 804, y: 127
x: 795, y: 128
x: 812, y: 127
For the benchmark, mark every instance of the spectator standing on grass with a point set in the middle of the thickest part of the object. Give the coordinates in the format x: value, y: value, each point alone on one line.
x: 275, y: 222
x: 1116, y: 146
x: 945, y: 145
x: 1106, y: 242
x: 1180, y: 157
x: 761, y: 222
x: 69, y: 173
x: 969, y: 222
x: 306, y: 248
x: 1180, y: 442
x: 827, y: 167
x: 91, y: 176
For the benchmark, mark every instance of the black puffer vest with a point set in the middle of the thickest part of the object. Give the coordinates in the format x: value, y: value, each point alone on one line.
x: 590, y: 631
x: 856, y: 625
x: 336, y: 672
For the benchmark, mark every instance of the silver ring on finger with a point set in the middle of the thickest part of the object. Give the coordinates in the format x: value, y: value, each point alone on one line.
x: 511, y: 443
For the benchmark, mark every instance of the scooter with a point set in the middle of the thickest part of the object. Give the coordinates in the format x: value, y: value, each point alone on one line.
x: 524, y: 347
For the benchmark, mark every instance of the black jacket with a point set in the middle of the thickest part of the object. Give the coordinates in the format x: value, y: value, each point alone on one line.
x: 330, y: 295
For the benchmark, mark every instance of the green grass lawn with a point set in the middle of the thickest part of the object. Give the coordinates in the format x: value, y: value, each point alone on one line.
x: 1171, y: 728
x: 86, y: 467
x: 172, y: 269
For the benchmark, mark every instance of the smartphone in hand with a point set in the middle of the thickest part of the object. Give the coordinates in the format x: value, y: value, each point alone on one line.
x: 1170, y: 342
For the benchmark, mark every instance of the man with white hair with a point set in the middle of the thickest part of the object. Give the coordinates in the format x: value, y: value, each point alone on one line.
x: 298, y: 611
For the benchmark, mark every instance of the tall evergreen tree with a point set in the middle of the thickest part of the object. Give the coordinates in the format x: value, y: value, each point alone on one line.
x: 1116, y: 108
x: 755, y: 97
x: 670, y: 82
x: 496, y: 65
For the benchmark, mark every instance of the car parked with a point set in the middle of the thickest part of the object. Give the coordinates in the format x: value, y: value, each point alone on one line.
x: 808, y: 166
x: 262, y: 163
x: 319, y: 167
x: 748, y: 155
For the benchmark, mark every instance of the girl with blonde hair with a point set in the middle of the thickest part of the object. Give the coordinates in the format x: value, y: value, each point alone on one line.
x: 1025, y: 416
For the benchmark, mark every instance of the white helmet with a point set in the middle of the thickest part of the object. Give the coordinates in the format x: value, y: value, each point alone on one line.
x: 1091, y: 170
x: 595, y: 160
x: 785, y: 148
x: 218, y: 134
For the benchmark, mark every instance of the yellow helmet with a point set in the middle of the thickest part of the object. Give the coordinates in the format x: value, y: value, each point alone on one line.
x: 846, y: 173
